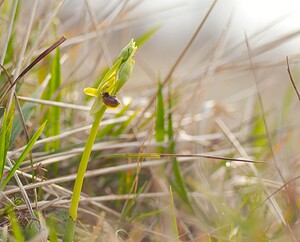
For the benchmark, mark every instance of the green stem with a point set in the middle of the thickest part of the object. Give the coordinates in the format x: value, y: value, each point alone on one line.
x: 80, y: 175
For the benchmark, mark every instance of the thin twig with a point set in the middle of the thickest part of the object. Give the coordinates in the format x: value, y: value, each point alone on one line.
x: 273, y: 193
x: 274, y: 203
x: 211, y: 157
x: 30, y: 66
x: 291, y: 77
x: 262, y: 109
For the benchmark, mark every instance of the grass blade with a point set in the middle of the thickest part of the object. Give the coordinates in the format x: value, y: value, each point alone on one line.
x: 160, y: 119
x: 16, y: 228
x: 147, y: 36
x: 131, y: 202
x: 9, y: 127
x: 259, y: 131
x: 3, y: 144
x: 5, y: 136
x: 174, y: 220
x: 54, y: 112
x: 23, y: 155
x: 178, y: 183
x: 32, y: 64
x: 145, y: 215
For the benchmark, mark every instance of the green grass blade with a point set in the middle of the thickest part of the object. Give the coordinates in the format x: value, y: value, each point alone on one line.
x: 259, y: 131
x: 54, y: 112
x: 16, y: 228
x: 23, y: 155
x: 178, y: 182
x: 5, y: 136
x: 3, y: 144
x: 147, y: 35
x: 9, y: 127
x: 52, y: 230
x: 130, y: 203
x: 174, y: 220
x: 160, y: 119
x: 145, y: 215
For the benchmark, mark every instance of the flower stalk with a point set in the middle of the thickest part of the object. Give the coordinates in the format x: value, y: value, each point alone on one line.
x: 105, y: 97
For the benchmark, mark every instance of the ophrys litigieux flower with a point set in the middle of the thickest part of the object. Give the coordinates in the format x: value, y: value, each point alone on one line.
x: 114, y: 79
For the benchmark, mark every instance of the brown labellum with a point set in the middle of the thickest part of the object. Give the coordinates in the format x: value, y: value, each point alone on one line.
x: 110, y: 101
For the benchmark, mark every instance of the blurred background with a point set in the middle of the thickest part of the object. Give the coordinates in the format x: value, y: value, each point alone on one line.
x: 271, y: 26
x: 217, y: 64
x: 218, y: 75
x: 231, y: 92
